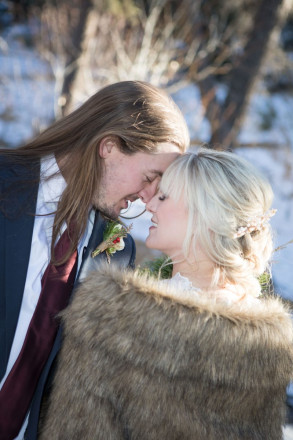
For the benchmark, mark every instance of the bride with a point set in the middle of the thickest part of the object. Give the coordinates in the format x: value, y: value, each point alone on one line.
x: 211, y: 217
x: 202, y: 355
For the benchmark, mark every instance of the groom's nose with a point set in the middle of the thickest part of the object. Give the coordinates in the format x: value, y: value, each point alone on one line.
x: 148, y: 191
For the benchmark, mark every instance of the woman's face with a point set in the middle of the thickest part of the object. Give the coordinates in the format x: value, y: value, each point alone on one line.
x: 169, y: 224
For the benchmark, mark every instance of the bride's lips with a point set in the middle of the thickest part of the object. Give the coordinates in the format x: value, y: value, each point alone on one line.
x: 154, y: 226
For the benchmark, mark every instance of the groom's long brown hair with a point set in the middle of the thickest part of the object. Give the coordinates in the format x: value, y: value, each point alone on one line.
x: 138, y: 114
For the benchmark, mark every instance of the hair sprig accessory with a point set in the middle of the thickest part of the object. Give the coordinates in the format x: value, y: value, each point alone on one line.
x: 255, y: 224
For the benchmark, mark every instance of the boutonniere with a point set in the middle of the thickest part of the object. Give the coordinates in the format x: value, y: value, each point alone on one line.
x: 114, y: 234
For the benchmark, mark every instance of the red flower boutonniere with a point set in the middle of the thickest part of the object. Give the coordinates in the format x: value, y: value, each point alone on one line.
x: 113, y: 239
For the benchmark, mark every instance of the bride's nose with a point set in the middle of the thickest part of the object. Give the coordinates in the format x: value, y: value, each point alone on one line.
x: 151, y: 204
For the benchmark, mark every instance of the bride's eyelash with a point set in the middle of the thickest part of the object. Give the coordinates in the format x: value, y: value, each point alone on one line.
x: 162, y: 197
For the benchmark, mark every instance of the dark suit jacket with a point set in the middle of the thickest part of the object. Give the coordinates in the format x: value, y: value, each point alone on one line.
x: 16, y: 228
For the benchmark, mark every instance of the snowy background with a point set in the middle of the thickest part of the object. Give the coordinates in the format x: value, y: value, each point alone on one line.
x: 27, y: 98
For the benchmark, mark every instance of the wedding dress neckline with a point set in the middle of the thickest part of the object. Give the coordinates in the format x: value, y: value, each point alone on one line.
x: 181, y: 282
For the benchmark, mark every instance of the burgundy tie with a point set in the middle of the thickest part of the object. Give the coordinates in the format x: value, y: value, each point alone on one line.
x: 19, y: 387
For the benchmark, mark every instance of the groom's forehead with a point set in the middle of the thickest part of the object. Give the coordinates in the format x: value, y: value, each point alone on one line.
x: 151, y: 165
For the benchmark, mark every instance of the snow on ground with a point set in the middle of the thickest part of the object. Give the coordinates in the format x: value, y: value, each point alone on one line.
x: 27, y: 104
x: 26, y: 89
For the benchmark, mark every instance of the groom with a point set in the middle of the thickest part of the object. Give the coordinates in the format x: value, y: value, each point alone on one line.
x: 55, y: 196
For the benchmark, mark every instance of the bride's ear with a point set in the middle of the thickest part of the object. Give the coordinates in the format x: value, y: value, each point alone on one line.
x: 106, y: 146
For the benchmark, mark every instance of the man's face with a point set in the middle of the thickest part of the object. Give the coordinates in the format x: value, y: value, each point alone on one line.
x: 129, y: 177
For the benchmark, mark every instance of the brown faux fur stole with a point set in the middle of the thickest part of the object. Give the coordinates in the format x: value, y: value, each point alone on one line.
x: 146, y: 363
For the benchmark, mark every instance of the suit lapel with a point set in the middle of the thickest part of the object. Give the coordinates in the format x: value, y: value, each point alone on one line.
x: 89, y: 264
x: 122, y: 258
x: 16, y: 242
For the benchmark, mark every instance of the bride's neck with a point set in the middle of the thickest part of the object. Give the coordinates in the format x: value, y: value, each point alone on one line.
x: 199, y: 273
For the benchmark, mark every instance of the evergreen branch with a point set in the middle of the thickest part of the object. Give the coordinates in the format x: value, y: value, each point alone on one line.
x: 160, y: 267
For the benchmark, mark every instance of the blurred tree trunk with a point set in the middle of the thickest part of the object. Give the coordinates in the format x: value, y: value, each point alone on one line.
x: 226, y: 118
x: 79, y: 11
x: 83, y: 66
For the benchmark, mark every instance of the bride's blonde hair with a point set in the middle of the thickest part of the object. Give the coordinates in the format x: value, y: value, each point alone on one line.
x: 223, y: 194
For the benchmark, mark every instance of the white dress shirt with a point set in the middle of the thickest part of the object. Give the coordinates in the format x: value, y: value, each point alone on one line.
x: 49, y: 194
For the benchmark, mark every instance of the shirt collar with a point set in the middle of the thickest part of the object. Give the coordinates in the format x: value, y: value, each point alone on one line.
x: 52, y: 187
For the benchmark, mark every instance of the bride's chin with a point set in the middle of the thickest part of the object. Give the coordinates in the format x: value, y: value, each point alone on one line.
x: 148, y: 242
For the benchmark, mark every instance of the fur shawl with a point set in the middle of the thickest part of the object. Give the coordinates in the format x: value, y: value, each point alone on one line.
x: 140, y: 362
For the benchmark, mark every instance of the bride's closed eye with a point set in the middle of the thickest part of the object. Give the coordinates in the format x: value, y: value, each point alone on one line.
x: 162, y: 197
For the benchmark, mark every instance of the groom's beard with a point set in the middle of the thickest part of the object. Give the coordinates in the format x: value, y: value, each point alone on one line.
x: 107, y: 211
x: 100, y: 202
x: 111, y: 209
